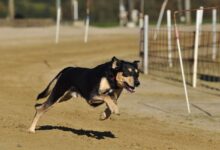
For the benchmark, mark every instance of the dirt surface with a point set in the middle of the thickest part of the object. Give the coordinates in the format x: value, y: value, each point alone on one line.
x: 153, y: 118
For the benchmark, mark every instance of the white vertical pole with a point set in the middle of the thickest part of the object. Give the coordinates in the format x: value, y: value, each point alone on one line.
x: 75, y: 10
x: 121, y: 12
x: 58, y: 21
x: 86, y: 30
x: 87, y: 21
x: 182, y: 69
x: 141, y: 15
x: 200, y: 18
x: 169, y: 38
x: 160, y: 18
x: 188, y: 13
x: 199, y: 14
x: 146, y: 26
x: 214, y: 38
x: 141, y: 22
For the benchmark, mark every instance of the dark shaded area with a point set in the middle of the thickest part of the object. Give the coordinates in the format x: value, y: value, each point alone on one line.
x: 210, y: 78
x: 81, y: 132
x: 202, y: 110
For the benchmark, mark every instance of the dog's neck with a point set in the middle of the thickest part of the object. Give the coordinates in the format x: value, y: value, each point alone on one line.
x: 112, y: 80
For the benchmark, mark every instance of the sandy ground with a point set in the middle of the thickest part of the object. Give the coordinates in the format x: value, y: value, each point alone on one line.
x: 153, y: 118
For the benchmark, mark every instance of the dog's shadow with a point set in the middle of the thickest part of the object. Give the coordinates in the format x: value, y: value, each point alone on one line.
x: 89, y: 133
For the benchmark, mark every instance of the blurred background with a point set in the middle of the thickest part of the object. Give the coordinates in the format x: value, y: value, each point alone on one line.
x: 34, y: 47
x: 102, y: 12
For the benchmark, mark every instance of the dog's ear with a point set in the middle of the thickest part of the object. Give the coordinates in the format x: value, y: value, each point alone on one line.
x: 136, y: 62
x: 115, y: 63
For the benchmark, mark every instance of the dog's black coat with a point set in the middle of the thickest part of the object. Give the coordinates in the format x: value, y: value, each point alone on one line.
x: 84, y: 81
x: 102, y: 84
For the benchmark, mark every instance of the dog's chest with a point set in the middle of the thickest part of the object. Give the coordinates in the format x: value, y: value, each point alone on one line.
x: 104, y: 86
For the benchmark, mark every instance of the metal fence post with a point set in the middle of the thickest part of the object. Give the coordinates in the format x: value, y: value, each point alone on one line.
x: 199, y: 14
x: 214, y: 38
x: 58, y: 21
x: 146, y: 26
x: 169, y: 33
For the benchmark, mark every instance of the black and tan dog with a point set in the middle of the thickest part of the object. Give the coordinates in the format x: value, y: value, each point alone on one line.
x: 102, y: 84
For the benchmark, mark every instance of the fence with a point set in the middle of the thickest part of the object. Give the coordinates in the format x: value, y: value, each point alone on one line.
x: 163, y: 60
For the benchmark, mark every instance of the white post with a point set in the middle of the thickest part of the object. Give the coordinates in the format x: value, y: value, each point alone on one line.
x: 182, y: 69
x: 141, y: 14
x: 146, y: 25
x: 58, y: 21
x: 214, y: 37
x: 141, y: 22
x: 87, y: 21
x: 188, y: 13
x: 86, y: 30
x: 200, y: 18
x: 199, y: 14
x: 160, y: 18
x: 75, y: 10
x: 169, y: 33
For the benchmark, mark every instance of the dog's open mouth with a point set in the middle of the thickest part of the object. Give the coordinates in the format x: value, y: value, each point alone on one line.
x: 129, y: 88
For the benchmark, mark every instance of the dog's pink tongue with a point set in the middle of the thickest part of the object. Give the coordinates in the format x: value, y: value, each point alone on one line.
x: 131, y: 90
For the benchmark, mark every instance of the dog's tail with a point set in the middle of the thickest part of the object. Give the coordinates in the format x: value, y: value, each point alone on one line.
x: 49, y: 88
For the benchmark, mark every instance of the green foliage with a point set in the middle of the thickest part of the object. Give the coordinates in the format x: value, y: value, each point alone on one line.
x: 3, y: 9
x: 34, y: 9
x: 103, y: 12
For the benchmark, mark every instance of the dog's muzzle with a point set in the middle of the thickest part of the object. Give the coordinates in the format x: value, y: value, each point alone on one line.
x: 129, y: 88
x: 136, y: 83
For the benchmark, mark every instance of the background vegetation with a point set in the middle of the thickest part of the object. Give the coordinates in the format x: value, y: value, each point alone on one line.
x: 101, y: 10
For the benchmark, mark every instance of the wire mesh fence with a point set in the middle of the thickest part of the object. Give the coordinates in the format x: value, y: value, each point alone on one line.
x: 165, y: 63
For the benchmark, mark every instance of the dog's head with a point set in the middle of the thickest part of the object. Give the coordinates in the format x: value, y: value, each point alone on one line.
x: 127, y: 74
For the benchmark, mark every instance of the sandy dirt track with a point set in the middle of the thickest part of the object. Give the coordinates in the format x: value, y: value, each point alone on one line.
x: 153, y: 118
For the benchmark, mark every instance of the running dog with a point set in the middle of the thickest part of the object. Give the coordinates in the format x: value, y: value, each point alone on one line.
x: 102, y: 84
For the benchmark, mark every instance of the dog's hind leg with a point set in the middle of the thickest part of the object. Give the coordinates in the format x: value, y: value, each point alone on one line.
x: 40, y: 110
x: 55, y: 96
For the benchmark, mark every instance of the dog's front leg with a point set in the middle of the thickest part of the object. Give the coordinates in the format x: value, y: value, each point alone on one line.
x: 111, y: 105
x: 105, y: 114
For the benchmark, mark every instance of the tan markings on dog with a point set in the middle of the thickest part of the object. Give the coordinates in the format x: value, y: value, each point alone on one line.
x: 121, y: 79
x: 52, y: 85
x: 75, y: 94
x: 41, y: 109
x: 114, y: 64
x: 129, y: 69
x: 109, y: 101
x: 105, y: 114
x: 104, y: 85
x: 67, y: 96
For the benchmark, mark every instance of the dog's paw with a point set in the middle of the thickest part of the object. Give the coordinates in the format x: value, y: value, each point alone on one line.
x: 31, y: 130
x: 105, y: 114
x: 115, y: 110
